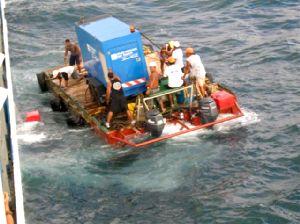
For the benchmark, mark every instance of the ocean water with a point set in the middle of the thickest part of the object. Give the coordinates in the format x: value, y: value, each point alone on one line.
x: 245, y: 171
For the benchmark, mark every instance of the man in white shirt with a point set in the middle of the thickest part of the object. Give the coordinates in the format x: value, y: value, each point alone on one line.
x: 174, y: 74
x: 65, y: 73
x: 178, y: 54
x: 195, y: 69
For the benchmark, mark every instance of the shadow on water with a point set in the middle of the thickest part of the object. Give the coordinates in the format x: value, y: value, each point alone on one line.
x: 122, y: 159
x: 114, y: 163
x: 232, y: 137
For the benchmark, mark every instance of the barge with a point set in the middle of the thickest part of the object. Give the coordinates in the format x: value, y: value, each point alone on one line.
x: 109, y: 44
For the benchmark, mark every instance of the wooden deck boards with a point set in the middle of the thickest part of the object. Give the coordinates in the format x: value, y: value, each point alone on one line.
x: 78, y: 97
x: 78, y: 90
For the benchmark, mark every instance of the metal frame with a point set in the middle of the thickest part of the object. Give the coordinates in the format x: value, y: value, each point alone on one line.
x: 186, y: 130
x: 166, y: 92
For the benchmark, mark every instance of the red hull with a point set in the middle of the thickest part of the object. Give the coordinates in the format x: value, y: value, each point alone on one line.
x: 123, y: 137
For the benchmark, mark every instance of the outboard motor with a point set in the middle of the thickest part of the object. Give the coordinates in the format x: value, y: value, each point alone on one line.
x: 154, y: 122
x: 208, y: 110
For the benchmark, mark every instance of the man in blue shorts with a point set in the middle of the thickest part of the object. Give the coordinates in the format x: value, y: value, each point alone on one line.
x: 75, y: 57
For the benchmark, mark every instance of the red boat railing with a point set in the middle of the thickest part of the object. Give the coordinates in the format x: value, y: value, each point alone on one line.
x: 239, y: 113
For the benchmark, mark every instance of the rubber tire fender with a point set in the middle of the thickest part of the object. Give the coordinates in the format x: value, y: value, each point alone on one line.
x: 58, y: 105
x: 75, y: 121
x: 41, y: 77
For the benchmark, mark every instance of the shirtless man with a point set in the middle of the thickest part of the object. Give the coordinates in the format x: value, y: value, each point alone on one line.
x: 165, y: 52
x: 75, y: 57
x: 153, y: 84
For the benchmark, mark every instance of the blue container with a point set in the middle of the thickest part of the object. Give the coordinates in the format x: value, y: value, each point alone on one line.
x: 108, y: 44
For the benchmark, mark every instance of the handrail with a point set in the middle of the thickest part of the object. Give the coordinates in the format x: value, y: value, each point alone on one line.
x: 138, y: 145
x: 20, y: 218
x: 165, y: 92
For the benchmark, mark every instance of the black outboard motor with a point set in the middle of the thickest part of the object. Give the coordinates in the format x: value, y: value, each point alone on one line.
x: 208, y: 110
x: 154, y: 122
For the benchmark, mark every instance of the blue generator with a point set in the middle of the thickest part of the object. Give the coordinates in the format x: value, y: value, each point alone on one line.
x: 109, y: 44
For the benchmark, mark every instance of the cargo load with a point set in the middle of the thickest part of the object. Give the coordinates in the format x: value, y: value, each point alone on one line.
x: 108, y: 44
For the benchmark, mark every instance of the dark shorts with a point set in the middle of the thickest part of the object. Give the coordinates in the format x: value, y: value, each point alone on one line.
x: 64, y: 75
x: 74, y: 59
x: 118, y: 104
x: 153, y: 91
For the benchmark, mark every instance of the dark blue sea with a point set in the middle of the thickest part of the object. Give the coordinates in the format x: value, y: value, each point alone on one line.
x: 246, y: 171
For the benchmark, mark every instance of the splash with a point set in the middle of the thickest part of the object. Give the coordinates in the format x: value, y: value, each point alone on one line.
x: 28, y: 132
x: 249, y: 118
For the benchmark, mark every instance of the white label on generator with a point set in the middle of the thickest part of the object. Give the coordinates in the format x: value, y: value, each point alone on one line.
x: 125, y: 55
x: 92, y: 51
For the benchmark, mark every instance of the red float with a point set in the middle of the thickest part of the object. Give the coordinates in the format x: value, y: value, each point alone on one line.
x: 33, y: 116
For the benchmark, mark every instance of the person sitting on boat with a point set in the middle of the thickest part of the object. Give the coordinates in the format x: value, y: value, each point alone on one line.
x: 178, y: 54
x: 75, y: 57
x: 165, y: 52
x: 196, y: 71
x: 115, y: 98
x: 153, y: 84
x: 174, y: 74
x: 65, y: 73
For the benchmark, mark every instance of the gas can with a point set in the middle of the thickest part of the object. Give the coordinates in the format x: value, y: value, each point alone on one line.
x: 224, y: 100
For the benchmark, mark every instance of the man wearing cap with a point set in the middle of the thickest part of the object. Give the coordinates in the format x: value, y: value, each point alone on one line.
x: 153, y: 84
x: 65, y: 73
x: 174, y: 74
x: 195, y: 69
x: 178, y: 54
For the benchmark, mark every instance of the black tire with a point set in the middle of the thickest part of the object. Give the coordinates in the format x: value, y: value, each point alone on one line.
x: 58, y: 105
x: 209, y: 76
x: 41, y: 77
x: 75, y: 121
x: 97, y: 93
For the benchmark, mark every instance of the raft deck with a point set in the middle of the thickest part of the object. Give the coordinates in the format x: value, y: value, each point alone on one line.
x: 79, y: 101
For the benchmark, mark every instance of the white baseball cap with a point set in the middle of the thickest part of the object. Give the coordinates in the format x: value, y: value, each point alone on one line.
x: 55, y: 73
x: 176, y: 43
x: 152, y: 64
